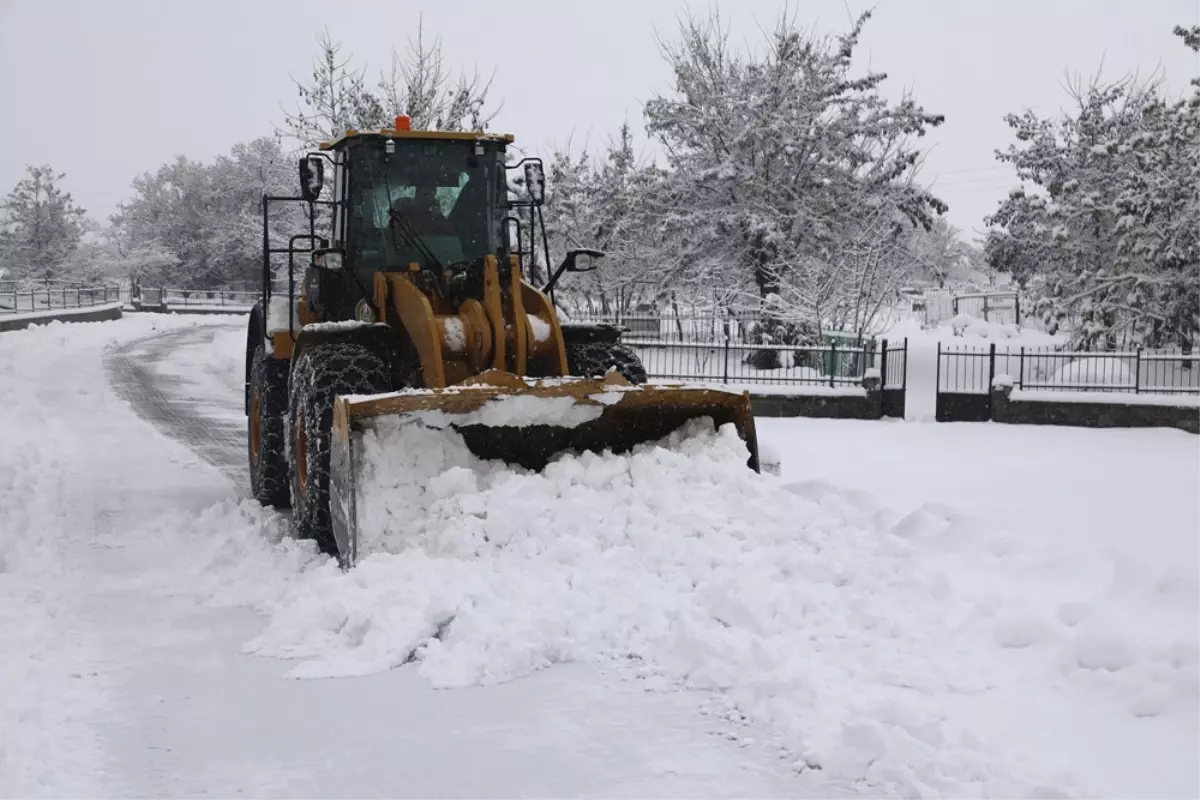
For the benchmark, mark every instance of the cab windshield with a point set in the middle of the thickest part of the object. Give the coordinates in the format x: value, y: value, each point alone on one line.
x: 443, y: 193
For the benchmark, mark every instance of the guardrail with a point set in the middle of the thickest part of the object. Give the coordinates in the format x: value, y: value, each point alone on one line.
x: 24, y: 298
x: 158, y: 297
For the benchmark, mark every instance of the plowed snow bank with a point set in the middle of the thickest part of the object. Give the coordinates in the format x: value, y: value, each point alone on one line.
x: 852, y: 633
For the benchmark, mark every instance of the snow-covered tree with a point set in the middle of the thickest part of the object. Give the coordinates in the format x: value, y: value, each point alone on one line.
x: 1160, y: 210
x: 1064, y: 228
x: 338, y: 96
x: 1107, y: 232
x: 943, y: 257
x: 105, y: 256
x: 603, y: 205
x: 785, y: 169
x: 195, y: 225
x: 41, y: 226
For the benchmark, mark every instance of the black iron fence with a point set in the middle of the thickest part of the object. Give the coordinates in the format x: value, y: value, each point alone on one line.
x: 737, y: 349
x: 965, y: 375
x: 735, y: 363
x: 21, y: 298
x: 1138, y: 372
x: 747, y: 349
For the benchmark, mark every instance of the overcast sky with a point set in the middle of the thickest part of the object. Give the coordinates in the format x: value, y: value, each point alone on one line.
x: 105, y: 90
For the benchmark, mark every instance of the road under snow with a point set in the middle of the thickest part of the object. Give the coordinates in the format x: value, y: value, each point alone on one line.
x: 966, y: 609
x: 130, y: 565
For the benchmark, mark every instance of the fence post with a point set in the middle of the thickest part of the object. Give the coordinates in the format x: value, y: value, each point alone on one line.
x: 832, y: 361
x: 883, y: 359
x: 1137, y: 371
x: 725, y: 372
x: 937, y: 374
x: 1017, y: 306
x: 1021, y: 368
x: 991, y: 374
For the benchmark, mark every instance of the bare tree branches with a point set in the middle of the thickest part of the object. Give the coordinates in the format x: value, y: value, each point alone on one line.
x: 336, y: 96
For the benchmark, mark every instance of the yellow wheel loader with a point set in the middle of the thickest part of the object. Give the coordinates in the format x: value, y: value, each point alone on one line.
x: 411, y: 297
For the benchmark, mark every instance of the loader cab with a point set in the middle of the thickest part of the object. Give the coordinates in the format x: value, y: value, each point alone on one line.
x: 434, y: 202
x: 425, y: 201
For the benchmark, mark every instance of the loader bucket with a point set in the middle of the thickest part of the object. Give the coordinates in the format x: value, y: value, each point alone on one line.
x: 502, y: 417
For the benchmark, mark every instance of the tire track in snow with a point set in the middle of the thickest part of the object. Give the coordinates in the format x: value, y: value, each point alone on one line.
x: 206, y: 417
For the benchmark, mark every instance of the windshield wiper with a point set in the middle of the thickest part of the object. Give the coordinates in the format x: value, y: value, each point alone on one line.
x: 413, y: 239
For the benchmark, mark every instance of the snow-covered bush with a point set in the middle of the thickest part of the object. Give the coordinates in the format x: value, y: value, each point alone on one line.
x: 1104, y: 371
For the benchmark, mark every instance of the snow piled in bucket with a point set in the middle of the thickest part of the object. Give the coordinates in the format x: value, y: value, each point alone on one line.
x: 507, y: 410
x: 800, y: 606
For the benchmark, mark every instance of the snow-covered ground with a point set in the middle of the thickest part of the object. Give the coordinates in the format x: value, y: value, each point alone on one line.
x: 1086, y: 551
x: 911, y: 608
x: 131, y: 573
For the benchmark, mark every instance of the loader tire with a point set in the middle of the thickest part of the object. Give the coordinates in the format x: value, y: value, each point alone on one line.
x: 266, y: 430
x: 595, y: 359
x: 320, y: 374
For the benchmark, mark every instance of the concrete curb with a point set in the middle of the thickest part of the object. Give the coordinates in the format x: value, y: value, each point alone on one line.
x: 1091, y: 414
x: 868, y: 405
x: 94, y: 314
x: 186, y: 310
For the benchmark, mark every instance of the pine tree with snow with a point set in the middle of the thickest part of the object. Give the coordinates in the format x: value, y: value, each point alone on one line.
x: 41, y: 226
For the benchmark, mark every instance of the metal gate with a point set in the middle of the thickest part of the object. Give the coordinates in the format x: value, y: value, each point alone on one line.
x: 894, y: 378
x: 964, y: 384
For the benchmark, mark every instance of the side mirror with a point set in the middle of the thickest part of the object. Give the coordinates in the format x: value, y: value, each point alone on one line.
x: 535, y: 182
x: 571, y: 264
x: 312, y: 177
x: 327, y: 258
x: 591, y: 260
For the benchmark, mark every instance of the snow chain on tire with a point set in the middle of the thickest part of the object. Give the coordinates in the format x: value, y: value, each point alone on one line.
x: 321, y: 373
x: 594, y: 359
x: 267, y: 424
